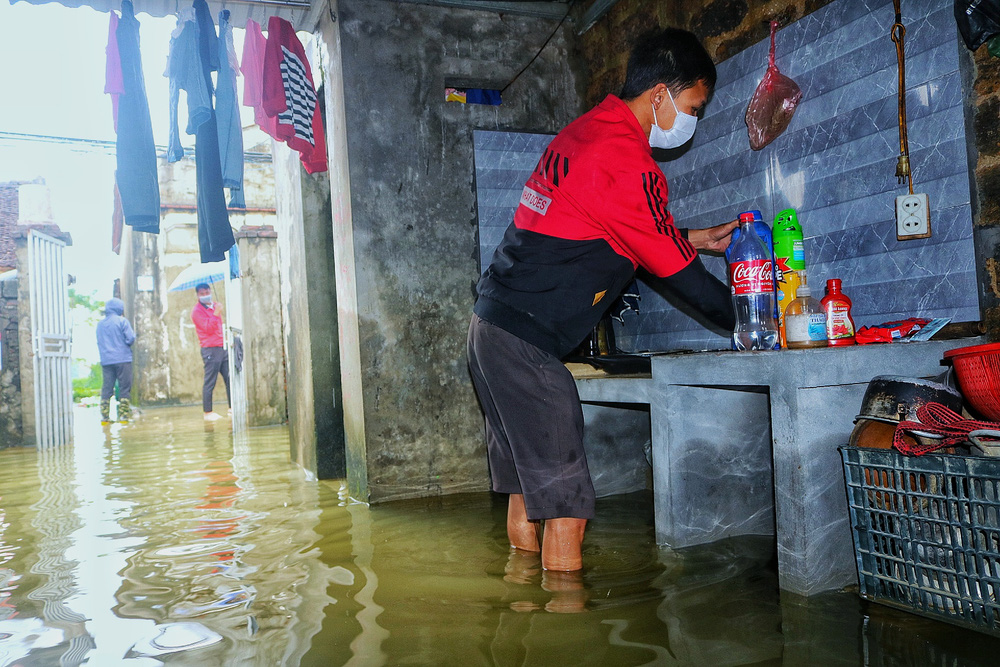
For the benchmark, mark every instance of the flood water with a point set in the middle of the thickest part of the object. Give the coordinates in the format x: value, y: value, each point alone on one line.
x: 169, y: 541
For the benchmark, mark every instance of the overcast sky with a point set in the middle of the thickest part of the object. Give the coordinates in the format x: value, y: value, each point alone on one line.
x: 52, y: 84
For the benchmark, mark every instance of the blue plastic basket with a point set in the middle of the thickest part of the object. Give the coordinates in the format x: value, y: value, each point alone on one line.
x: 927, y: 533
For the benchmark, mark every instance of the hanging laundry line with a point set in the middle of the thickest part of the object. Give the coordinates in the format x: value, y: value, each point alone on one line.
x: 300, y: 12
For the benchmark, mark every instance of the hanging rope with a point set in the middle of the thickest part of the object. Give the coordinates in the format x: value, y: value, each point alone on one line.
x: 897, y: 34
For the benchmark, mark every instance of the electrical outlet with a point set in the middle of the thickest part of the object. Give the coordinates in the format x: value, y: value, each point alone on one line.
x: 913, y: 217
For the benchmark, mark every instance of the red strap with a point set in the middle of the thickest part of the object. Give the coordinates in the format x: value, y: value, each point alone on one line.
x: 936, y: 419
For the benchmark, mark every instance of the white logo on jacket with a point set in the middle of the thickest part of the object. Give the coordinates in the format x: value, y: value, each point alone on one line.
x: 536, y: 202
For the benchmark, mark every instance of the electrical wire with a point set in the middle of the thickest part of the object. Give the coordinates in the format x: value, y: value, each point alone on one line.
x: 546, y: 43
x: 107, y: 146
x: 897, y: 34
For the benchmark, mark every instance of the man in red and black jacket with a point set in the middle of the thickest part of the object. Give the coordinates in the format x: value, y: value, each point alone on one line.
x: 207, y: 318
x: 593, y: 211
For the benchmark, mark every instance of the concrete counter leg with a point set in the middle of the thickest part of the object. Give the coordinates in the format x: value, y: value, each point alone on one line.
x: 711, y: 465
x: 815, y: 552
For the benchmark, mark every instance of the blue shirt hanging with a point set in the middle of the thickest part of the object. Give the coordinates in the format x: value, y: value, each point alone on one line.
x: 227, y: 113
x: 135, y: 153
x: 186, y: 73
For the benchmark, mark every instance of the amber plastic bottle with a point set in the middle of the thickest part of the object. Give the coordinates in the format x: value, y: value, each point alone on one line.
x: 839, y: 324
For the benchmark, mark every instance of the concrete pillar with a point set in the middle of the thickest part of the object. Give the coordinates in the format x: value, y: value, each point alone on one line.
x: 404, y: 222
x: 328, y: 37
x: 263, y: 348
x: 144, y: 294
x: 309, y: 312
x: 25, y: 343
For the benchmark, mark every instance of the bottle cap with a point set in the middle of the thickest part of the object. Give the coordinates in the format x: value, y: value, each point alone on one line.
x: 746, y: 217
x: 787, y: 220
x: 833, y: 284
x: 803, y: 288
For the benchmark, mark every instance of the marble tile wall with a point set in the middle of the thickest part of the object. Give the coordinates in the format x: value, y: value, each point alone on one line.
x: 504, y: 161
x: 835, y: 164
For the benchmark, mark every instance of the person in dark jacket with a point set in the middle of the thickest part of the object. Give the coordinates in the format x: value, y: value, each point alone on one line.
x: 114, y: 342
x: 593, y: 211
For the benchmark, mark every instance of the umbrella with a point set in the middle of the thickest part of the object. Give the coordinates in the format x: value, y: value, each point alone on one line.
x: 197, y: 274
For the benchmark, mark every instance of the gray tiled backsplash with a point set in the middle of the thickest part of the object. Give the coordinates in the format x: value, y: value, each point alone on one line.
x: 835, y: 164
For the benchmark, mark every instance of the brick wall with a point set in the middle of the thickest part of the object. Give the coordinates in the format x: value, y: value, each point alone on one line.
x: 10, y: 374
x: 8, y: 218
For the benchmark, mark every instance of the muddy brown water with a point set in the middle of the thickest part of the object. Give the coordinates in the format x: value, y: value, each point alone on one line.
x: 169, y: 541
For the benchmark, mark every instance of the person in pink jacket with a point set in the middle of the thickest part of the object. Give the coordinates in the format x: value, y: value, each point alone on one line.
x: 207, y: 318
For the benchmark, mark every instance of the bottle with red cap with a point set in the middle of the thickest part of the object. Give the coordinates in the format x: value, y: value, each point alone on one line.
x: 751, y: 280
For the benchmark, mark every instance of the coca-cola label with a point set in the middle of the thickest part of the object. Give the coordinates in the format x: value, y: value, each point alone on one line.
x: 754, y: 276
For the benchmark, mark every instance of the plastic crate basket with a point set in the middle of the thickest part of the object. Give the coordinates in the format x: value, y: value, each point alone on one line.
x: 927, y: 533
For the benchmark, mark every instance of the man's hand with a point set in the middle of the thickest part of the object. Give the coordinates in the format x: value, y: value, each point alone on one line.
x: 713, y: 239
x: 217, y: 307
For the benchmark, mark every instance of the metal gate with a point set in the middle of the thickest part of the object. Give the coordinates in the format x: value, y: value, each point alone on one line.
x: 50, y: 341
x: 237, y: 374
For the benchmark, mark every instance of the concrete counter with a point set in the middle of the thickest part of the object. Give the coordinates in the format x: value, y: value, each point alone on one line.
x: 745, y: 443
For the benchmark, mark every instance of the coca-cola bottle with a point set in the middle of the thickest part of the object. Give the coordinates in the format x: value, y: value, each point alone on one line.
x: 751, y: 277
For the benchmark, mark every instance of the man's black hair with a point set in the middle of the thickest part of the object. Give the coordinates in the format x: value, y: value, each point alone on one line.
x: 671, y: 56
x: 201, y: 286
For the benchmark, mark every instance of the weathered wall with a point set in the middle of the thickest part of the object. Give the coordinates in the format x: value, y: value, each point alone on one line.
x: 983, y: 74
x: 309, y: 307
x: 413, y: 221
x: 725, y: 27
x: 263, y: 351
x: 10, y: 370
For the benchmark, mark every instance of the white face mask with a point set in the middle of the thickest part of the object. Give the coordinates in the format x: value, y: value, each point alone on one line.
x: 206, y: 299
x: 678, y: 134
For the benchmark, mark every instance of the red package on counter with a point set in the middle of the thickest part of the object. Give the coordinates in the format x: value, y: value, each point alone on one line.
x: 889, y: 331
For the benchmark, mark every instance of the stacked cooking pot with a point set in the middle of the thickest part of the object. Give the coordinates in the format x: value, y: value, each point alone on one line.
x: 890, y: 399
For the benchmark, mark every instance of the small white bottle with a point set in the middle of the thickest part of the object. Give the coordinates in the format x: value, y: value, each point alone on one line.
x: 805, y: 319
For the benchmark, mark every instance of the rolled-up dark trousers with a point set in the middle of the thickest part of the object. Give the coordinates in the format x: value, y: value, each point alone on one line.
x: 122, y: 373
x: 216, y: 363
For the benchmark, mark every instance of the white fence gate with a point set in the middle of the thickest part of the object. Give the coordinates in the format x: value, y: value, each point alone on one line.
x: 50, y: 338
x: 237, y: 374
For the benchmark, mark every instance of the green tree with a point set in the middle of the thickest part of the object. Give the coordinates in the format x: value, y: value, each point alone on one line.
x: 88, y: 303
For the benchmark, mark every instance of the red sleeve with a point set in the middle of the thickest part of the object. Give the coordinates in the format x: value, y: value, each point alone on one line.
x: 315, y: 160
x: 632, y: 205
x: 273, y: 90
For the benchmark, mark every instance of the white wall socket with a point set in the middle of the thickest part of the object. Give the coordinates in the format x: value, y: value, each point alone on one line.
x: 913, y: 217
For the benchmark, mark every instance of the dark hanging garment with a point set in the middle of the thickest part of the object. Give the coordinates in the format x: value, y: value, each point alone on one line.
x: 215, y: 236
x: 135, y: 151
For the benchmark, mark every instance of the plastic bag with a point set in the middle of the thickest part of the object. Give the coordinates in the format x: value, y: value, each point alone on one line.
x: 889, y: 331
x: 773, y: 103
x: 978, y: 20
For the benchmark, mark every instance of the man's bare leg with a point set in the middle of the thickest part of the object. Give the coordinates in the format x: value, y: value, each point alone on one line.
x: 522, y: 533
x: 561, y: 544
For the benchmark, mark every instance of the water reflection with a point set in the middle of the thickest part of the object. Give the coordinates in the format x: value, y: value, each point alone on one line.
x: 164, y: 542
